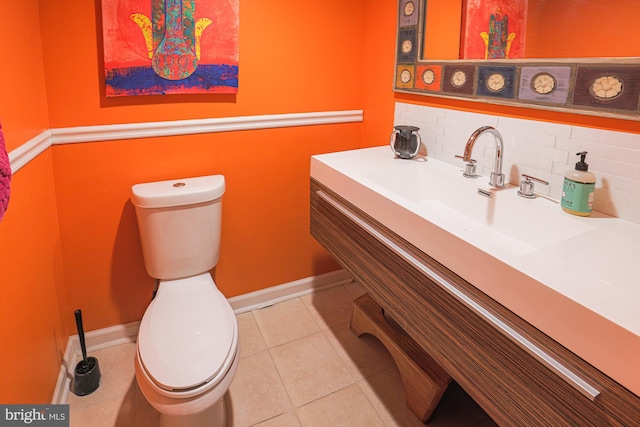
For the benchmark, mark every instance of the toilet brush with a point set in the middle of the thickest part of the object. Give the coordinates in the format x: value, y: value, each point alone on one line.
x: 87, y: 374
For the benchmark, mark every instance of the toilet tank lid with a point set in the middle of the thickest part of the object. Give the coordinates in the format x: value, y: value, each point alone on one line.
x: 178, y: 192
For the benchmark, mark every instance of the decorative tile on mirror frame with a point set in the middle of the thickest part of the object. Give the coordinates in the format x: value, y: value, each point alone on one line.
x: 608, y: 87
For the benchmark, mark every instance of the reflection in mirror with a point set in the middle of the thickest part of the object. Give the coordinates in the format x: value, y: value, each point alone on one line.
x: 516, y: 29
x: 528, y: 53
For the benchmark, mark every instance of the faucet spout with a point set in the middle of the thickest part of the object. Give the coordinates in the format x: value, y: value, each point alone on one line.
x: 497, y: 177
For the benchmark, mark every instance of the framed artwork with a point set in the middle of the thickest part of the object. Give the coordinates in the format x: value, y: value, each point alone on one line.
x: 494, y: 29
x: 154, y: 47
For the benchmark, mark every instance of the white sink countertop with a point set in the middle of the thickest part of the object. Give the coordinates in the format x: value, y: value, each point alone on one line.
x: 571, y: 277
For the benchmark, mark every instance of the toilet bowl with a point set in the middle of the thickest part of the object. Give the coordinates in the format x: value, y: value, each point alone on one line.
x: 187, y: 346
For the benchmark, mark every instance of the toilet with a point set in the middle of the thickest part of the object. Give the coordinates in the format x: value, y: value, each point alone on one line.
x: 187, y: 346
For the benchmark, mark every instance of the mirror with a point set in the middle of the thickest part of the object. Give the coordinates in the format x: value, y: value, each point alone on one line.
x: 573, y: 55
x: 518, y: 29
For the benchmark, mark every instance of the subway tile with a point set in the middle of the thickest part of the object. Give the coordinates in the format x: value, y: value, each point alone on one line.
x: 539, y: 140
x: 604, y: 180
x: 622, y: 183
x: 567, y: 144
x: 560, y: 156
x: 559, y: 168
x: 634, y: 201
x: 434, y: 150
x: 541, y: 148
x: 620, y: 139
x: 626, y: 170
x: 617, y: 198
x: 532, y: 162
x: 527, y: 149
x: 537, y: 127
x: 585, y: 134
x: 471, y: 118
x: 627, y: 155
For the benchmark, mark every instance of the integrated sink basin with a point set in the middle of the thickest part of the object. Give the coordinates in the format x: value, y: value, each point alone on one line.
x: 571, y: 277
x: 494, y: 219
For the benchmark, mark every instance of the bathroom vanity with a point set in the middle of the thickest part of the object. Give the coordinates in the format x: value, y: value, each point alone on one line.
x: 529, y: 309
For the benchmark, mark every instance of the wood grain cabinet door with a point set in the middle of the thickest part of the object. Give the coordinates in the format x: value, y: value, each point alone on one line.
x: 517, y: 374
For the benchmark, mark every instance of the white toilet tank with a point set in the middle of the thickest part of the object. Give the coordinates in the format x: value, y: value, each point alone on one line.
x: 179, y: 222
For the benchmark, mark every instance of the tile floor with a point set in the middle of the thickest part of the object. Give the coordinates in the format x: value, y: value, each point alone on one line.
x: 300, y: 365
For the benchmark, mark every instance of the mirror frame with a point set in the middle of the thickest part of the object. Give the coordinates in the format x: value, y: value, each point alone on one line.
x: 606, y: 87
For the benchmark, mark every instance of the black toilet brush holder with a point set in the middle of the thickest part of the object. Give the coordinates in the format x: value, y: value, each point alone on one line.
x: 86, y: 378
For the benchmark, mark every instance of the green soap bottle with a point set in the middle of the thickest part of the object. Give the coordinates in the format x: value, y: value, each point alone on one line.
x: 578, y: 188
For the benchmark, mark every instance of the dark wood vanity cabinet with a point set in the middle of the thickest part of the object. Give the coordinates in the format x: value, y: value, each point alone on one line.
x: 517, y: 374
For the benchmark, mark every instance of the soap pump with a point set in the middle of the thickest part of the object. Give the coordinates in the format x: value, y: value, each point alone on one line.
x: 578, y: 188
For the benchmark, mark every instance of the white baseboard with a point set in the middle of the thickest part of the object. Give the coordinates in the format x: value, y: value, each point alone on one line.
x: 94, y: 340
x: 120, y: 334
x: 295, y: 289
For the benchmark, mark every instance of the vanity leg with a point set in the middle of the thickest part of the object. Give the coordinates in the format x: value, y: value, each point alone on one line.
x: 424, y: 380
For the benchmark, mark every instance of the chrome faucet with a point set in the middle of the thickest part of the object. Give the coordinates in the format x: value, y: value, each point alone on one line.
x: 497, y: 177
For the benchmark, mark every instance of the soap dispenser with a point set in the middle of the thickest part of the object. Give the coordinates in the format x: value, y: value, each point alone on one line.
x: 578, y: 188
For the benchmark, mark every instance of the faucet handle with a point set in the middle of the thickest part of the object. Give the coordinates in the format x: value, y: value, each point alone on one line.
x: 469, y: 168
x: 527, y: 186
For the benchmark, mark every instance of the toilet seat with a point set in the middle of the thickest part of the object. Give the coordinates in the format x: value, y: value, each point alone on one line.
x: 187, y: 334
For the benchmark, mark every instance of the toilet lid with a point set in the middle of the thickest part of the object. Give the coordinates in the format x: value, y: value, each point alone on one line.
x: 187, y: 333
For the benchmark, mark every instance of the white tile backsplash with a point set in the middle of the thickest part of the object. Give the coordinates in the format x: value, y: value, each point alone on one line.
x: 541, y: 149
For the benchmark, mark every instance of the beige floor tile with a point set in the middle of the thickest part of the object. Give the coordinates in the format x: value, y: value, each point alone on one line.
x: 364, y: 356
x: 113, y: 411
x: 284, y: 322
x: 251, y: 341
x: 386, y: 393
x: 290, y: 419
x: 257, y: 393
x: 310, y: 368
x: 316, y: 371
x: 348, y: 407
x: 117, y: 373
x: 329, y: 308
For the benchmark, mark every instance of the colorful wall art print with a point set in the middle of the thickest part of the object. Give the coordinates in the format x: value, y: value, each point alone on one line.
x: 494, y: 29
x: 154, y: 47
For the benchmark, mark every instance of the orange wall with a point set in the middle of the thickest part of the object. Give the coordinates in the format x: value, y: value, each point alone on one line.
x: 32, y: 334
x: 292, y: 59
x: 579, y: 28
x: 265, y: 229
x: 441, y: 38
x: 23, y: 106
x: 379, y: 58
